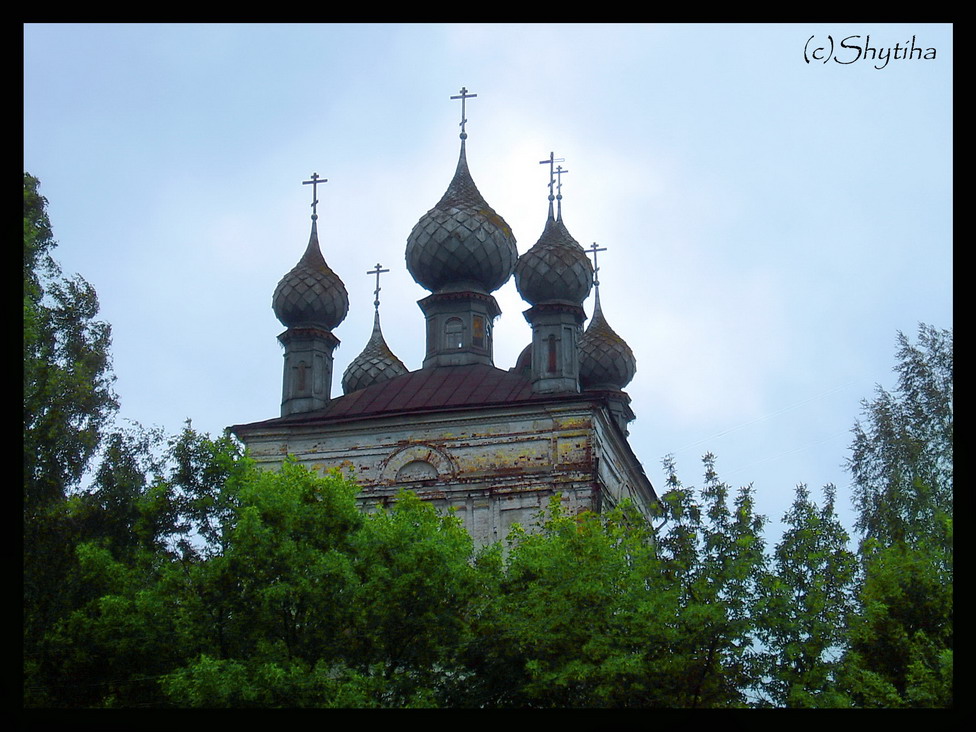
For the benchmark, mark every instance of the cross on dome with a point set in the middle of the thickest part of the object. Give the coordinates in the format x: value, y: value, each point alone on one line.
x: 559, y: 190
x: 553, y: 174
x: 593, y: 250
x: 376, y: 293
x: 314, y: 183
x: 463, y: 96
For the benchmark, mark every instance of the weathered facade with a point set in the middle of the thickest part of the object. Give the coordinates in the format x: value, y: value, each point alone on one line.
x: 493, y: 445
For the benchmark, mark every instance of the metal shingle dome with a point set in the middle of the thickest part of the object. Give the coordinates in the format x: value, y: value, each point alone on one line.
x: 461, y: 242
x: 311, y: 294
x: 555, y: 269
x: 375, y: 364
x: 605, y: 359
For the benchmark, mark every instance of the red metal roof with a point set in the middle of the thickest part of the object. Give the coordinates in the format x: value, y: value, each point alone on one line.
x: 445, y: 387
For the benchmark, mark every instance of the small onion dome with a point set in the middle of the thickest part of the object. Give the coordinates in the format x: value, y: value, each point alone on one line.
x: 311, y: 294
x: 555, y: 269
x: 461, y: 242
x: 523, y: 365
x: 606, y: 361
x: 375, y: 364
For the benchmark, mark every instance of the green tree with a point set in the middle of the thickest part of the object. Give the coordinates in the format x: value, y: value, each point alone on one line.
x: 312, y: 601
x: 114, y: 629
x: 416, y: 591
x: 901, y: 456
x: 68, y: 397
x: 714, y: 553
x: 274, y: 596
x: 901, y: 638
x: 68, y: 401
x: 573, y: 620
x: 806, y: 603
x: 292, y: 596
x: 200, y: 468
x: 596, y: 611
x: 126, y: 508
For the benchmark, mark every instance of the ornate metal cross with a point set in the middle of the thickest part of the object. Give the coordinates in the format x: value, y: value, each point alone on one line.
x: 559, y: 180
x: 552, y: 173
x: 376, y: 292
x: 315, y: 182
x: 559, y: 191
x: 593, y: 250
x: 463, y: 96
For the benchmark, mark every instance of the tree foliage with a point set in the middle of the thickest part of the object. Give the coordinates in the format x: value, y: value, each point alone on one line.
x: 301, y: 599
x: 68, y: 400
x: 714, y: 552
x: 573, y: 618
x: 805, y: 606
x: 901, y: 640
x: 901, y: 455
x: 68, y: 396
x: 304, y: 601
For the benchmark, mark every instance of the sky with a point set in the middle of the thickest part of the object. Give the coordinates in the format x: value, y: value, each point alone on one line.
x: 775, y: 201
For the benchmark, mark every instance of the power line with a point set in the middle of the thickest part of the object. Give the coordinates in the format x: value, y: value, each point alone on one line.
x: 768, y: 415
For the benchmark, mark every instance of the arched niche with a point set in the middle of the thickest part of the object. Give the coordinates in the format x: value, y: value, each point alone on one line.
x: 416, y: 463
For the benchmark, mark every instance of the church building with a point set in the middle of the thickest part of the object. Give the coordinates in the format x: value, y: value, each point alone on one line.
x: 490, y: 443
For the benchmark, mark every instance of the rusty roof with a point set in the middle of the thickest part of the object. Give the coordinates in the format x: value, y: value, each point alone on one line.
x: 426, y: 389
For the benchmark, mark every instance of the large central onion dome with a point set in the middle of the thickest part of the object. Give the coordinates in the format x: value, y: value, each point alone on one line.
x: 311, y: 294
x: 555, y: 269
x: 461, y: 243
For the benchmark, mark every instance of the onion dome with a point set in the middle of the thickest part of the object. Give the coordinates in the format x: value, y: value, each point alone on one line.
x: 461, y: 243
x: 375, y: 364
x: 555, y: 269
x: 606, y: 362
x: 311, y: 294
x: 523, y: 364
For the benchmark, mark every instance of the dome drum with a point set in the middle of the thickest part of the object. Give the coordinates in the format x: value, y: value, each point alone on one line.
x: 308, y: 364
x: 459, y: 328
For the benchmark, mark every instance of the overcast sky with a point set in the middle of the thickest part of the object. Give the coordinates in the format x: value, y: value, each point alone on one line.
x: 775, y: 201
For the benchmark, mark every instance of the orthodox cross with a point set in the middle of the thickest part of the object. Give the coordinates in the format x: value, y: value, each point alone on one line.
x: 463, y: 96
x: 559, y: 180
x: 315, y: 182
x: 552, y: 174
x: 376, y: 292
x: 559, y: 190
x: 593, y: 250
